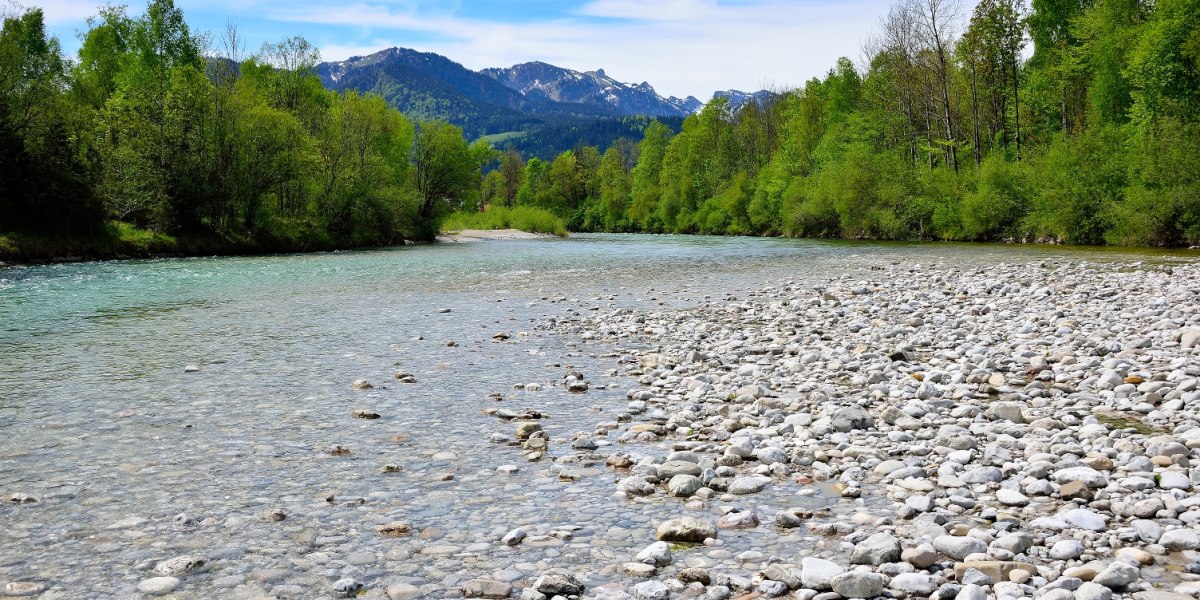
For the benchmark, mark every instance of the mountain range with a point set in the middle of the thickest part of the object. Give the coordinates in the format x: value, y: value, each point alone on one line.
x: 538, y: 108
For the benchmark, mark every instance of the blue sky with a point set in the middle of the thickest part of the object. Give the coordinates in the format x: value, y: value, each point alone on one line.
x: 682, y: 47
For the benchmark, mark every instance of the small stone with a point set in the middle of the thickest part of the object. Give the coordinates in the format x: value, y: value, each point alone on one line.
x: 24, y: 588
x: 788, y: 520
x: 527, y: 429
x: 672, y: 468
x: 637, y: 569
x: 1066, y: 549
x: 651, y: 590
x: 787, y: 575
x: 684, y: 485
x: 686, y: 529
x: 748, y: 485
x: 513, y: 537
x: 363, y: 413
x: 971, y: 592
x: 1093, y: 591
x: 1136, y: 556
x: 916, y: 584
x: 485, y: 588
x: 876, y: 550
x: 694, y: 575
x: 856, y: 584
x: 157, y: 586
x: 1085, y: 519
x: 346, y: 587
x: 403, y: 591
x: 657, y: 554
x: 191, y: 369
x: 998, y: 570
x: 818, y: 573
x: 1075, y: 489
x: 180, y: 565
x: 1180, y: 539
x: 361, y: 384
x: 1117, y: 575
x: 921, y: 557
x: 849, y: 418
x: 958, y: 547
x: 1012, y: 498
x: 738, y: 520
x: 976, y: 577
x: 396, y: 529
x: 558, y: 582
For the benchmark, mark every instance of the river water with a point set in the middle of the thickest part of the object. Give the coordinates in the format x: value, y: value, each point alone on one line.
x: 133, y: 460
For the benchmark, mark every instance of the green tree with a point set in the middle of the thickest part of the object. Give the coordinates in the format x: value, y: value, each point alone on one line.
x: 445, y: 171
x: 645, y: 177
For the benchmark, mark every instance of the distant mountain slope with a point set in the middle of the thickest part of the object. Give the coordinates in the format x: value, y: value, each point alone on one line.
x: 738, y: 98
x: 535, y: 107
x: 538, y: 80
x: 430, y: 86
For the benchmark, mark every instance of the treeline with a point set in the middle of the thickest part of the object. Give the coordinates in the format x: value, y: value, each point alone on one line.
x: 953, y: 129
x: 176, y: 134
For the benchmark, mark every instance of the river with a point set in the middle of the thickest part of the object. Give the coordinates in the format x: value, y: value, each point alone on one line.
x: 132, y: 460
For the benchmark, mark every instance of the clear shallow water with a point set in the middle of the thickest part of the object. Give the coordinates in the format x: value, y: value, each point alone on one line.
x: 99, y: 420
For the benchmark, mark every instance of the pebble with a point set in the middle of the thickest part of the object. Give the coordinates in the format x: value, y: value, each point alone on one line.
x: 157, y: 586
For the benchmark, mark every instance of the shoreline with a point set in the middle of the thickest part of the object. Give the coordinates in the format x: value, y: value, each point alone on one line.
x: 481, y: 235
x: 95, y: 251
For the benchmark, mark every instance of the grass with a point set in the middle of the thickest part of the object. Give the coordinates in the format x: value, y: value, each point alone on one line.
x: 496, y: 139
x: 524, y: 218
x: 115, y: 239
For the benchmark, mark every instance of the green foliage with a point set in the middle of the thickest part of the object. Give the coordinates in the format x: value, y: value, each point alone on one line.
x: 995, y: 208
x: 1161, y: 206
x: 524, y: 218
x: 1077, y: 179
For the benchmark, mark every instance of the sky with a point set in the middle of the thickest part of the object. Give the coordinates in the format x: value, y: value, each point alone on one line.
x: 681, y: 47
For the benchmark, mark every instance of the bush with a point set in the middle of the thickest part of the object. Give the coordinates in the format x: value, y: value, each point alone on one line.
x: 1000, y: 200
x: 524, y: 218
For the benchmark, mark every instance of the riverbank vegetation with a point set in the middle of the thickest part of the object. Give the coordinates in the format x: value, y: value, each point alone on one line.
x: 524, y: 218
x: 158, y: 140
x: 952, y: 129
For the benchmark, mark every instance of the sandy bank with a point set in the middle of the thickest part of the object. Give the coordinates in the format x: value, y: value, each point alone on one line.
x: 479, y: 235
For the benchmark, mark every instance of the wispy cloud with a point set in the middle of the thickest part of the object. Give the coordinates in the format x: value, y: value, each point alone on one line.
x: 681, y: 46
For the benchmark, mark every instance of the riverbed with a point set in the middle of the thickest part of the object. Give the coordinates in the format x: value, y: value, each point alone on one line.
x: 204, y: 407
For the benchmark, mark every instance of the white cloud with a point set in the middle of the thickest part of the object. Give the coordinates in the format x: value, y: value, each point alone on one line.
x: 662, y: 10
x: 682, y: 47
x: 59, y: 12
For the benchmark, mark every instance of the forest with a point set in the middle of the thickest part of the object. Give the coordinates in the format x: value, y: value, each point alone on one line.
x: 1065, y: 121
x: 159, y: 139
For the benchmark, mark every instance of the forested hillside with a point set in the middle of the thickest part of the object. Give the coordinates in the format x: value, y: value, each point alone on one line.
x: 954, y: 129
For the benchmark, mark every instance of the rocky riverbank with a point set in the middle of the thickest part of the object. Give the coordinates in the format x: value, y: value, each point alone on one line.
x: 1022, y: 431
x: 1009, y: 431
x: 480, y: 235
